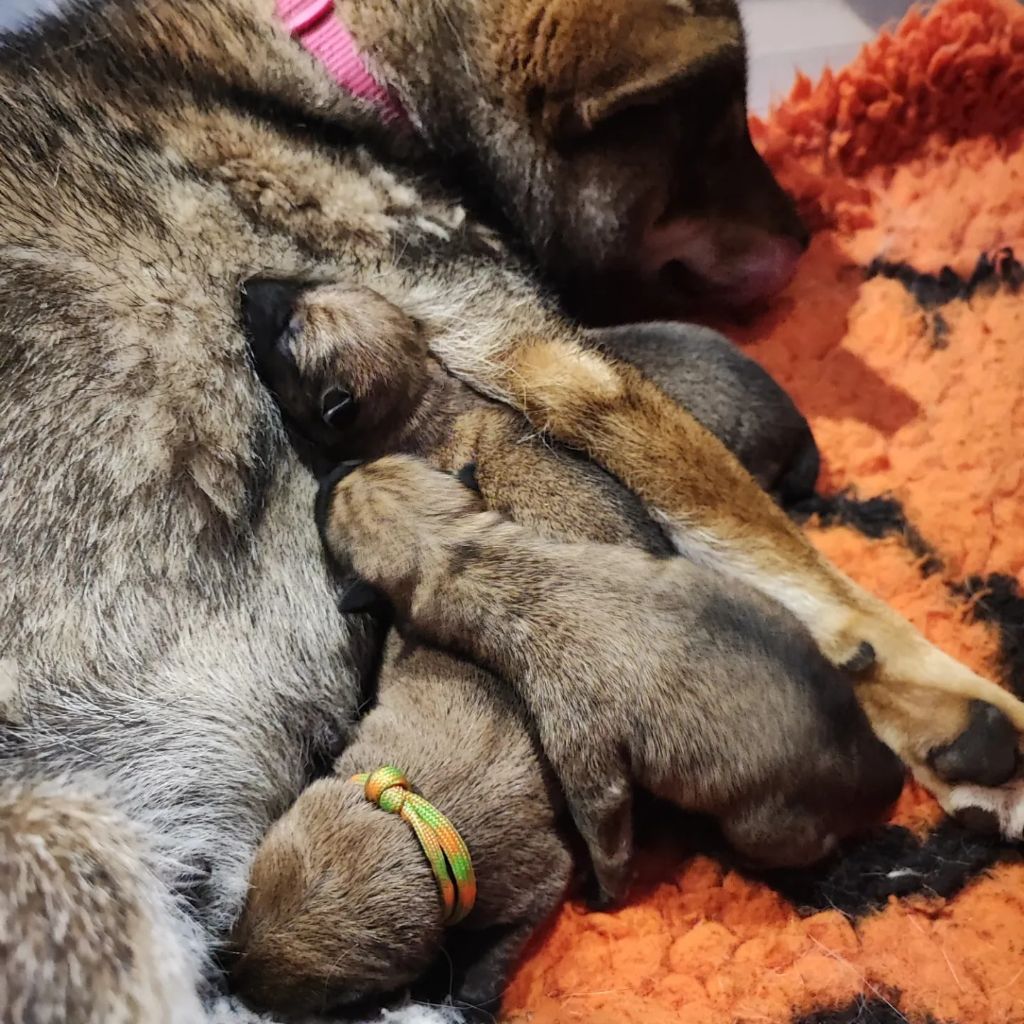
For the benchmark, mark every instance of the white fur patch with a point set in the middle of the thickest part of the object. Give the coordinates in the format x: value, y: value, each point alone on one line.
x: 417, y: 1013
x: 1006, y: 803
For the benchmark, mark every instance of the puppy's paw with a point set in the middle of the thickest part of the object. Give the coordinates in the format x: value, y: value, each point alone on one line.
x: 395, y: 520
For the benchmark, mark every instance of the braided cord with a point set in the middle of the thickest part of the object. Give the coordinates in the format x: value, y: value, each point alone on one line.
x: 445, y: 849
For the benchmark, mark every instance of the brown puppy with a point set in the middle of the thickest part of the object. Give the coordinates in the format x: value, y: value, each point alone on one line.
x: 354, y: 377
x: 342, y: 905
x: 688, y: 684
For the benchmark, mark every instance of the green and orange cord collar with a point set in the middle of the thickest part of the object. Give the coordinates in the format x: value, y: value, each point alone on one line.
x: 448, y: 855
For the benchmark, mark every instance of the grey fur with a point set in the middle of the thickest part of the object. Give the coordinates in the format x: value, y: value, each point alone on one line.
x: 163, y: 607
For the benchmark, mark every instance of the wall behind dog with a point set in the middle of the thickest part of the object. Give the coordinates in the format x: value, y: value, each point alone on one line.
x: 15, y: 12
x: 786, y: 36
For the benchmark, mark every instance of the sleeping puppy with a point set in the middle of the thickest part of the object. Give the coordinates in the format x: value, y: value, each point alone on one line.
x: 691, y: 686
x: 725, y: 391
x: 704, y: 661
x: 342, y: 905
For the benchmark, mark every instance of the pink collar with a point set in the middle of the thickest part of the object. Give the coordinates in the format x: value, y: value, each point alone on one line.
x: 314, y: 25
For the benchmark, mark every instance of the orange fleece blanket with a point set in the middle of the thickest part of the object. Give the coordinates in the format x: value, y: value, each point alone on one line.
x: 902, y: 339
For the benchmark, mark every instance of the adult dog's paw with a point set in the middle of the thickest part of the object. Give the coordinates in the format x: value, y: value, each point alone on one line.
x: 966, y: 751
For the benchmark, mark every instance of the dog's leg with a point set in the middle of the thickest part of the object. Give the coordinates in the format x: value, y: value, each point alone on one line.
x: 728, y: 394
x: 920, y: 700
x: 88, y: 932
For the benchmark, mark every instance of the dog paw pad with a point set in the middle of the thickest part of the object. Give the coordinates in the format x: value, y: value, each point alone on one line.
x: 984, y: 754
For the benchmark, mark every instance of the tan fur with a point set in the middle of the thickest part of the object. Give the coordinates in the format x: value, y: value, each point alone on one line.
x: 342, y: 904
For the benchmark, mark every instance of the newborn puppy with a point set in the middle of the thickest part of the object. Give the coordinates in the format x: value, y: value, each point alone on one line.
x: 759, y: 729
x: 699, y: 690
x: 342, y: 904
x: 354, y: 379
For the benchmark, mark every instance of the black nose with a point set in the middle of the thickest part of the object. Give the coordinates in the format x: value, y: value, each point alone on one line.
x: 267, y: 306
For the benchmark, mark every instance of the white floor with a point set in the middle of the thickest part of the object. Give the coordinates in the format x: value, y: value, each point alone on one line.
x: 783, y: 35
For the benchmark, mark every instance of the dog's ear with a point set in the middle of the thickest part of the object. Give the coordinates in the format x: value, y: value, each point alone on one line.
x: 575, y: 64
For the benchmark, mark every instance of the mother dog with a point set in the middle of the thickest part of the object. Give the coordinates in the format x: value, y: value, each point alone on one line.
x: 170, y: 663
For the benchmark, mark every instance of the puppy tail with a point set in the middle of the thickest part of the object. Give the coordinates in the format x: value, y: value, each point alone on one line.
x: 88, y: 933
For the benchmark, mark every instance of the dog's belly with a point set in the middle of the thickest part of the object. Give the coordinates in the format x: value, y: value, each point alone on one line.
x: 200, y: 700
x: 164, y: 609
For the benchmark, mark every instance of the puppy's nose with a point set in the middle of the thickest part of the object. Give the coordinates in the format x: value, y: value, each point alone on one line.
x: 267, y: 306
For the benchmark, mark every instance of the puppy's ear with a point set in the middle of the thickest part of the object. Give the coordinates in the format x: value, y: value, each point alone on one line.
x: 576, y: 64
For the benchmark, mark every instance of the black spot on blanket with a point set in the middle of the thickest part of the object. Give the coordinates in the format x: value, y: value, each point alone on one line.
x: 998, y: 600
x: 993, y: 270
x: 892, y: 862
x: 874, y: 518
x: 864, y: 1011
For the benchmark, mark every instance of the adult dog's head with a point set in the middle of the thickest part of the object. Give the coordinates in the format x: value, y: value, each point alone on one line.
x: 612, y: 134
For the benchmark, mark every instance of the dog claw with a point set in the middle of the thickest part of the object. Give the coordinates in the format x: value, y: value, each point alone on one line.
x: 984, y: 754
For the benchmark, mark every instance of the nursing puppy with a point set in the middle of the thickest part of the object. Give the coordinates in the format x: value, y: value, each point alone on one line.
x: 673, y: 697
x: 342, y: 905
x: 354, y: 378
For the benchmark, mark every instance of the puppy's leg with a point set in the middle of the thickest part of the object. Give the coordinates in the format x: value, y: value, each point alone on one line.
x: 919, y: 700
x: 601, y: 803
x: 727, y: 393
x: 88, y: 933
